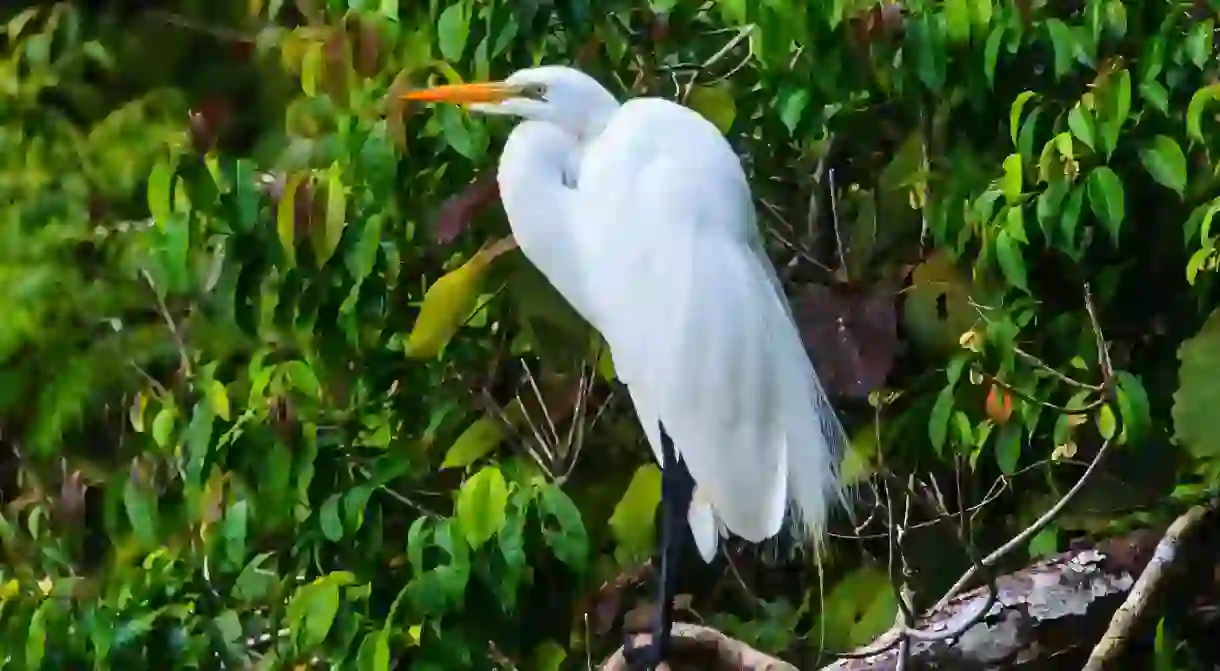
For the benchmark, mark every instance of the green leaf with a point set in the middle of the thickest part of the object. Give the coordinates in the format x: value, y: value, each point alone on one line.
x: 302, y: 378
x: 1050, y: 205
x: 311, y: 68
x: 1155, y: 94
x: 136, y: 413
x: 1045, y: 543
x: 36, y: 637
x: 1164, y: 160
x: 219, y: 398
x: 255, y: 582
x: 633, y: 522
x: 1118, y: 107
x: 863, y: 591
x: 141, y: 507
x: 163, y: 425
x: 792, y: 105
x: 714, y: 103
x: 957, y: 19
x: 374, y: 652
x: 1198, y: 396
x: 1107, y: 424
x: 1014, y: 114
x: 1008, y: 447
x: 332, y: 524
x: 479, y: 439
x: 1106, y: 199
x: 991, y: 53
x: 481, y: 506
x: 336, y: 215
x: 235, y: 530
x: 197, y: 438
x: 1194, y: 111
x: 562, y: 527
x: 228, y: 625
x: 285, y: 218
x: 1070, y: 218
x: 312, y: 611
x: 160, y: 184
x: 548, y: 656
x: 453, y: 30
x: 1065, y: 45
x: 1008, y: 253
x: 1010, y: 183
x: 1080, y: 120
x: 1133, y: 407
x: 938, y: 421
x: 19, y: 22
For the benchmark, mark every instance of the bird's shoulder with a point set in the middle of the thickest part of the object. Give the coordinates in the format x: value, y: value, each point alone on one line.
x: 664, y: 144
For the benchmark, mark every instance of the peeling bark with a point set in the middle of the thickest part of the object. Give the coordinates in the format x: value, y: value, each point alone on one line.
x: 1048, y: 609
x: 1047, y: 615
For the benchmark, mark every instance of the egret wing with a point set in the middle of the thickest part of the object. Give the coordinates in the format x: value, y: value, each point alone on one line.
x: 699, y: 332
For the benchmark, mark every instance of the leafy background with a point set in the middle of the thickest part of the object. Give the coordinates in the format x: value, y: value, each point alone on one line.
x: 277, y: 389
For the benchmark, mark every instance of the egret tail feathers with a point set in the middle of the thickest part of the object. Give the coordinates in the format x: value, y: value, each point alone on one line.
x: 704, y: 528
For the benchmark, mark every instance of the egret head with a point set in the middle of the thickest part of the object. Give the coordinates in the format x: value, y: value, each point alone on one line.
x: 557, y: 94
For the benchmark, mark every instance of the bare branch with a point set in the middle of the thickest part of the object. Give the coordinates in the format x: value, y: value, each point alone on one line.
x: 1114, y: 641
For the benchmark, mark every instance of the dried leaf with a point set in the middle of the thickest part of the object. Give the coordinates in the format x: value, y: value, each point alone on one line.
x: 457, y: 212
x: 851, y: 335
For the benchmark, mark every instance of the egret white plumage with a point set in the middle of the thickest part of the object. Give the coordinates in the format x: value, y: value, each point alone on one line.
x: 641, y: 216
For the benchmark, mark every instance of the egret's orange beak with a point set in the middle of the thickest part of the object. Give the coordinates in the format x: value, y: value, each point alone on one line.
x: 462, y: 94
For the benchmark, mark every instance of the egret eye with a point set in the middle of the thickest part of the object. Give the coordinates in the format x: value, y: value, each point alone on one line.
x: 533, y: 91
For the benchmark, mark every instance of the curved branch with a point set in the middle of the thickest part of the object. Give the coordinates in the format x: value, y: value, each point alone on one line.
x: 698, y: 648
x: 1114, y: 641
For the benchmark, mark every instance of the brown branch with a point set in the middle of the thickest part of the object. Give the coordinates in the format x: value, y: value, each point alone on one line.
x: 1114, y: 641
x: 1044, y: 618
x: 699, y: 648
x: 1043, y: 612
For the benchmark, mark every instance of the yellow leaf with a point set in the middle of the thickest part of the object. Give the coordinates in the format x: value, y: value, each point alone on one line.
x: 633, y: 522
x: 336, y: 213
x: 219, y: 398
x: 413, y: 634
x: 482, y: 505
x: 447, y: 304
x: 938, y: 307
x: 1106, y: 423
x: 9, y: 590
x: 477, y: 441
x: 19, y: 22
x: 137, y: 412
x: 311, y: 68
x: 160, y: 181
x: 715, y: 103
x: 1010, y: 183
x: 285, y: 218
x: 548, y: 656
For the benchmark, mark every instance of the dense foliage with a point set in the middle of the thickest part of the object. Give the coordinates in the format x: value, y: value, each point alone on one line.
x: 276, y: 387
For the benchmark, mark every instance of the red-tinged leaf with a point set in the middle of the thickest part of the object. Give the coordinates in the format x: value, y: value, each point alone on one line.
x: 457, y: 212
x: 207, y: 121
x: 851, y: 334
x: 999, y: 404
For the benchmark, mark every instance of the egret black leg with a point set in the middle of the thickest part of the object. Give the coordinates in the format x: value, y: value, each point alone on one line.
x: 677, y: 488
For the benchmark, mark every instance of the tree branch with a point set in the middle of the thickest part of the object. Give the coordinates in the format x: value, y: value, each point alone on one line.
x: 1122, y: 625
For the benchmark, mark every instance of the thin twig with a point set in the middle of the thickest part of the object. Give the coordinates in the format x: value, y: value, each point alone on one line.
x: 169, y: 321
x: 834, y: 220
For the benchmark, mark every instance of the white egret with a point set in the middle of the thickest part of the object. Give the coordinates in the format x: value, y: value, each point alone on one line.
x: 641, y: 216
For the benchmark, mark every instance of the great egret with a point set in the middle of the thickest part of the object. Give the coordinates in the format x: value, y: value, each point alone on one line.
x: 641, y: 216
